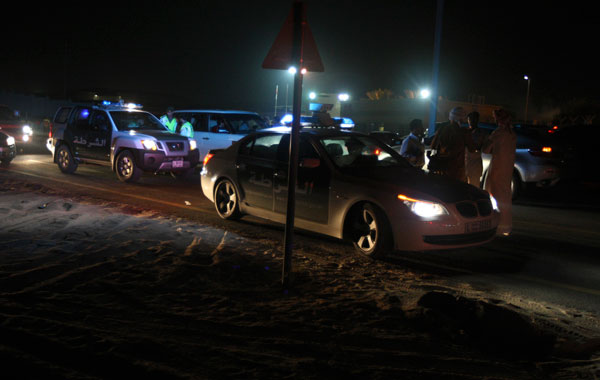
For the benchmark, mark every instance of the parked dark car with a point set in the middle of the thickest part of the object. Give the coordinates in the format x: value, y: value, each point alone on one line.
x: 578, y: 149
x: 8, y: 149
x: 352, y: 186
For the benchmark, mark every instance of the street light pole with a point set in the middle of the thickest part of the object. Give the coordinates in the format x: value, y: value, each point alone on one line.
x: 527, y: 98
x: 276, y: 92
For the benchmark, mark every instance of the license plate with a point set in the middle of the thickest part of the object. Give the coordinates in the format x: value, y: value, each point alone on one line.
x: 178, y: 164
x: 482, y: 225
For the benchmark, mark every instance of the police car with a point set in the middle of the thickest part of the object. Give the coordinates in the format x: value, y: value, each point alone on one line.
x: 320, y: 117
x: 122, y: 136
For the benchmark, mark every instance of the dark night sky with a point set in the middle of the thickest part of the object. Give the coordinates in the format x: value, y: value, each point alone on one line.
x: 209, y: 53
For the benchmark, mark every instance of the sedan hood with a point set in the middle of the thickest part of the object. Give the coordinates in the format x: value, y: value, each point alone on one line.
x: 443, y: 188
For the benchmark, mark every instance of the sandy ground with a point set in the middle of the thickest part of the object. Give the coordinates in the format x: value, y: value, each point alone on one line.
x: 92, y: 290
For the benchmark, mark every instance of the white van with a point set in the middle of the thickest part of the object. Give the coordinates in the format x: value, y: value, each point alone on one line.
x: 218, y: 129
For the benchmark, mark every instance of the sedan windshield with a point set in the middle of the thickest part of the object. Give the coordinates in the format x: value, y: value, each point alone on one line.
x: 138, y: 121
x: 360, y: 151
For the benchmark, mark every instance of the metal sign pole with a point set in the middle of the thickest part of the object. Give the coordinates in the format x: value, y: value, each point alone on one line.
x: 436, y: 68
x: 294, y: 143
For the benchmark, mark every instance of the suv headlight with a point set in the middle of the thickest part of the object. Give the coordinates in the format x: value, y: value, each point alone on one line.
x: 27, y: 130
x: 193, y: 144
x: 10, y: 141
x: 149, y: 144
x: 423, y: 209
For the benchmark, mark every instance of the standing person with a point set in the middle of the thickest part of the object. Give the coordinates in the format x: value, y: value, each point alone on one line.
x: 412, y: 147
x: 185, y: 128
x: 502, y: 144
x: 473, y: 163
x: 168, y: 120
x: 450, y: 141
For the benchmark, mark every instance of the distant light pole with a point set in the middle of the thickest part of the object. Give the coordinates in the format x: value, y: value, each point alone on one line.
x: 527, y: 97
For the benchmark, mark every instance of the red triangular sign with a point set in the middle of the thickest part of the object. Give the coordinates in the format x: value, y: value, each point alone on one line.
x: 280, y: 57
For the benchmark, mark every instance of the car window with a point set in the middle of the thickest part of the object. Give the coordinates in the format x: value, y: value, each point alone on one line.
x: 136, y: 121
x: 262, y: 147
x: 100, y: 121
x: 196, y: 119
x: 62, y: 115
x: 361, y: 151
x: 82, y: 118
x: 236, y: 123
x: 199, y: 122
x: 305, y: 149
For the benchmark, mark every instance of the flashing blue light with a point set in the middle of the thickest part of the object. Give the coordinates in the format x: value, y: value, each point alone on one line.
x: 288, y: 118
x: 84, y: 113
x: 106, y: 103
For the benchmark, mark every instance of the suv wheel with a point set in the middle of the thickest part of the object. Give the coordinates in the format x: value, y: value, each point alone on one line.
x: 64, y: 159
x: 125, y: 167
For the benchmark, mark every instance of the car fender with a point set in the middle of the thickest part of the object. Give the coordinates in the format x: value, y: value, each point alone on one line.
x: 57, y: 144
x: 121, y: 143
x: 351, y: 205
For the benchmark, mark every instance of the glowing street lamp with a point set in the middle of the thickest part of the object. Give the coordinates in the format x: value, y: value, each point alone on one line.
x: 425, y: 93
x: 312, y: 95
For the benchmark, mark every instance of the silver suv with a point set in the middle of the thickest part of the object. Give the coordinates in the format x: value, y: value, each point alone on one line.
x: 121, y: 136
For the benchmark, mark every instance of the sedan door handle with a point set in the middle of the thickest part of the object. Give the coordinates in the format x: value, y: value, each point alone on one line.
x: 205, y: 138
x: 280, y: 174
x: 240, y: 166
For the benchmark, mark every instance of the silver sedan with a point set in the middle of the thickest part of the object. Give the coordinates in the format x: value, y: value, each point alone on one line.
x: 349, y: 186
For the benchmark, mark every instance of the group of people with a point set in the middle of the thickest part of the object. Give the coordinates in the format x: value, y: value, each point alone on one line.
x: 177, y: 125
x: 460, y: 151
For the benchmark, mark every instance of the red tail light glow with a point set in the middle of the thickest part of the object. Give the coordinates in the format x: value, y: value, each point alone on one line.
x: 545, y: 151
x: 207, y: 158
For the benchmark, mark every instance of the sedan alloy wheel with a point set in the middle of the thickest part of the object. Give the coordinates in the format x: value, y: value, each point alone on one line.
x: 372, y: 236
x: 226, y: 200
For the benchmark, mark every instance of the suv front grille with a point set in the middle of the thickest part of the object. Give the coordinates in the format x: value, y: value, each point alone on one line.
x: 174, y: 146
x: 470, y: 209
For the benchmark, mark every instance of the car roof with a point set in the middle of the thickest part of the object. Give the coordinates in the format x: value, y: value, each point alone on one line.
x: 324, y: 131
x: 217, y: 111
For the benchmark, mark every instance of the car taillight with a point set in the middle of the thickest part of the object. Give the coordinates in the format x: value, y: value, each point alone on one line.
x: 207, y: 158
x: 545, y: 151
x: 50, y: 130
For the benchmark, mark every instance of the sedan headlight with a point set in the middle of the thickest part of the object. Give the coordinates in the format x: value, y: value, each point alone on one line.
x: 10, y: 141
x: 193, y: 144
x: 27, y: 130
x: 422, y: 208
x: 149, y: 144
x: 494, y: 203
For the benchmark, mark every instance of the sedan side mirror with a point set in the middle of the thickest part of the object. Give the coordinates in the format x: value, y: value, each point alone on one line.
x: 310, y: 163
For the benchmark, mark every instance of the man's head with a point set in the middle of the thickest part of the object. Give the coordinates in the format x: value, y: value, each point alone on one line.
x: 416, y: 127
x: 473, y: 119
x: 170, y: 111
x: 502, y: 116
x: 457, y: 114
